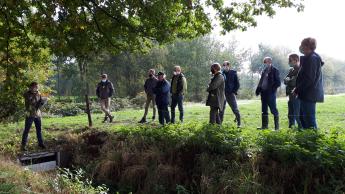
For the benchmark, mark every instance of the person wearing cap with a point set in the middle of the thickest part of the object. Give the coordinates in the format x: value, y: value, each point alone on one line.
x: 149, y: 85
x: 267, y: 88
x: 33, y: 103
x: 216, y: 97
x: 232, y: 85
x: 178, y: 89
x: 104, y: 92
x: 162, y: 91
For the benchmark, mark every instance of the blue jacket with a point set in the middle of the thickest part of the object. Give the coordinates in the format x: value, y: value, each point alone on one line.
x: 162, y: 91
x: 231, y: 82
x: 309, y: 83
x: 273, y: 81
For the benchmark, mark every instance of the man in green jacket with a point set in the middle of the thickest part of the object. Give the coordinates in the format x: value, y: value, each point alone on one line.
x: 178, y: 90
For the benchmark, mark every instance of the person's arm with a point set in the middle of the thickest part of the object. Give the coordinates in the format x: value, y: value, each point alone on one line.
x: 258, y: 88
x: 215, y: 83
x: 145, y: 85
x: 166, y: 87
x: 184, y: 80
x: 111, y: 89
x: 237, y: 83
x: 277, y: 82
x: 307, y: 75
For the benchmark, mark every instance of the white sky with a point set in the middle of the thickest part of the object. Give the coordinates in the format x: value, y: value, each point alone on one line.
x: 321, y: 19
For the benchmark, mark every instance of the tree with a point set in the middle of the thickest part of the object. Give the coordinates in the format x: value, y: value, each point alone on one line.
x: 84, y: 28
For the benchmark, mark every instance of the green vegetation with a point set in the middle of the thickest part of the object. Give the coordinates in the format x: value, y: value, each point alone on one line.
x: 195, y: 157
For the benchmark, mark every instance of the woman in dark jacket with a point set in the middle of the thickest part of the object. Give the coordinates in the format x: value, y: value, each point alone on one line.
x: 309, y: 83
x: 162, y: 91
x: 216, y: 94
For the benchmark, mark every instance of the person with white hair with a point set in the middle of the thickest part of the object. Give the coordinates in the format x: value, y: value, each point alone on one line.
x: 267, y: 88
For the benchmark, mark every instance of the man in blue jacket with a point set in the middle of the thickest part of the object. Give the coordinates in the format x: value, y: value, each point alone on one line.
x: 267, y: 88
x: 162, y: 91
x: 231, y: 87
x: 309, y: 83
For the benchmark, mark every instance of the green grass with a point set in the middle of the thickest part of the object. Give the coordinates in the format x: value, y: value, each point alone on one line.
x: 154, y: 159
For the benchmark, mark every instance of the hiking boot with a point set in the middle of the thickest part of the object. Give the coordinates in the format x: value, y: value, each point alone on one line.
x: 105, y: 119
x: 143, y: 120
x: 111, y: 119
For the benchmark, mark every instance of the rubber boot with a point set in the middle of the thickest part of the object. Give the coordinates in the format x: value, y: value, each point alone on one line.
x: 276, y: 123
x: 264, y: 121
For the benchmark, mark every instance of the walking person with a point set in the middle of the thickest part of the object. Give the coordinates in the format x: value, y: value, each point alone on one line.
x: 178, y: 90
x: 104, y: 92
x: 290, y: 82
x: 162, y: 91
x: 309, y: 83
x: 232, y: 85
x: 33, y: 103
x: 267, y: 88
x: 215, y: 99
x: 149, y: 85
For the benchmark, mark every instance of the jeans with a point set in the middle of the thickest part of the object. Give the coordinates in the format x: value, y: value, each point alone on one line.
x: 150, y: 98
x: 269, y: 100
x: 28, y: 124
x: 176, y: 100
x: 231, y: 99
x: 163, y: 114
x: 294, y: 111
x: 307, y: 113
x: 215, y: 115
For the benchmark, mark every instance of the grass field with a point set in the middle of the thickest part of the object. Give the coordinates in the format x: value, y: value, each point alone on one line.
x: 220, y: 159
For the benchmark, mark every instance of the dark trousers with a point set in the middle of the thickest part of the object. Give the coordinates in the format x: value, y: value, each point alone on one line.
x: 307, y: 112
x: 269, y: 100
x: 215, y: 115
x: 231, y: 99
x: 176, y: 100
x: 163, y: 114
x: 294, y: 111
x: 28, y: 124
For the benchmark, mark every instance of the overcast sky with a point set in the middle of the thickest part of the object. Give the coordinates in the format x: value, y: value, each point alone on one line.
x: 321, y: 19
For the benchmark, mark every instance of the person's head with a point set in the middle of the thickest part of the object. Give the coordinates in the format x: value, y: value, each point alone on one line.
x: 308, y: 45
x: 177, y: 70
x: 267, y: 61
x: 151, y: 72
x: 161, y: 76
x: 293, y: 60
x: 34, y: 86
x: 226, y: 66
x: 215, y: 68
x: 104, y: 77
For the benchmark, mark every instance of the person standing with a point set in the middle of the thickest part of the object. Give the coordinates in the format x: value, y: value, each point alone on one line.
x: 309, y: 83
x: 216, y: 98
x: 267, y: 88
x: 104, y: 91
x: 178, y: 89
x: 232, y: 85
x: 33, y: 103
x: 290, y: 82
x: 162, y: 91
x: 149, y: 85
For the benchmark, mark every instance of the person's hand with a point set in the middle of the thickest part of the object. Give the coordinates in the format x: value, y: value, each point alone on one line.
x: 294, y: 92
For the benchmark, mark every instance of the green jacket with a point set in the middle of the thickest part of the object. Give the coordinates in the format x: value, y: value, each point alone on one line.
x: 216, y: 94
x: 33, y: 103
x: 290, y: 80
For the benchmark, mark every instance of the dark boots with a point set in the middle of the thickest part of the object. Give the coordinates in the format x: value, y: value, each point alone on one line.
x: 238, y: 119
x: 264, y: 122
x: 276, y: 123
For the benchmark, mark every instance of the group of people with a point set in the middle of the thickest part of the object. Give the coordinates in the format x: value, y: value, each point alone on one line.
x: 304, y: 87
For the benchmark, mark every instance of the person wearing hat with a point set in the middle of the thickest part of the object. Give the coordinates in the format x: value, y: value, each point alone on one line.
x: 150, y: 83
x: 104, y: 91
x: 162, y: 91
x: 33, y: 103
x: 216, y: 96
